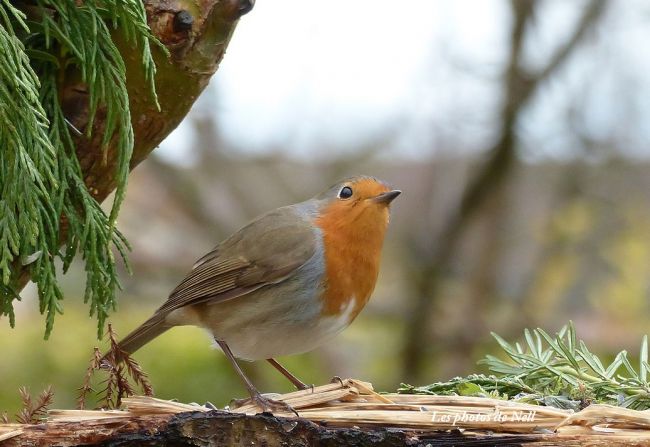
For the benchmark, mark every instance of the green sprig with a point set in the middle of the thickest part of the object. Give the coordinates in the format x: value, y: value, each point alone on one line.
x: 41, y: 181
x: 554, y: 370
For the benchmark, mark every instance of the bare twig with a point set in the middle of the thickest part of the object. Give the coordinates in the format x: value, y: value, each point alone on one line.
x: 120, y: 367
x: 86, y: 388
x: 139, y: 376
x: 32, y: 413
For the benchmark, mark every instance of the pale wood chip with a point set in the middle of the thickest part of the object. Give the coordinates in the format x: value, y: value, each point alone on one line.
x: 10, y: 434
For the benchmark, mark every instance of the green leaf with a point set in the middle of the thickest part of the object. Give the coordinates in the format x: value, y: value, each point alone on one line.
x: 470, y: 389
x: 615, y: 365
x: 43, y: 56
x: 643, y: 362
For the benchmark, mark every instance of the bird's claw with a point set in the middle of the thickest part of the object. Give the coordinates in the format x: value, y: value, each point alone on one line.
x: 265, y: 404
x: 337, y: 379
x: 210, y: 406
x: 305, y: 387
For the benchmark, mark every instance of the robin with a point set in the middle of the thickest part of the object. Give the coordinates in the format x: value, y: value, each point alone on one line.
x: 285, y: 283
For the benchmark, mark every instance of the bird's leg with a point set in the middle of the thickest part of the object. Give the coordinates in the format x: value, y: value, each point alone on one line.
x: 293, y: 379
x: 264, y: 403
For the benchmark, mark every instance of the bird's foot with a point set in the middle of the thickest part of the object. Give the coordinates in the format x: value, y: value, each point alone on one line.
x: 303, y: 386
x: 210, y: 406
x: 265, y: 404
x: 337, y: 379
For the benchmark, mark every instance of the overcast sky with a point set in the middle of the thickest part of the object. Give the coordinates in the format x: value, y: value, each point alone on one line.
x: 301, y: 75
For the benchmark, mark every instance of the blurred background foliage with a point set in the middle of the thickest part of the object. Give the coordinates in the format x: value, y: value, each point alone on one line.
x: 518, y: 131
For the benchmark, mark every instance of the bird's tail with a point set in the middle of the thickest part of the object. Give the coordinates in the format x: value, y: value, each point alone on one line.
x: 139, y: 337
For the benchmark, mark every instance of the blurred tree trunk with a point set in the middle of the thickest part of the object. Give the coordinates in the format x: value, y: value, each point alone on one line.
x: 196, y: 33
x: 519, y: 86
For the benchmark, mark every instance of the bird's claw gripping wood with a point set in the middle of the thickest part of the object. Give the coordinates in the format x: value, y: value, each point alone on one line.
x: 265, y: 404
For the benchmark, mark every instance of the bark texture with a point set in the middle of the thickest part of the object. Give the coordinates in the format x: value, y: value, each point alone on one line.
x: 196, y: 33
x: 218, y: 428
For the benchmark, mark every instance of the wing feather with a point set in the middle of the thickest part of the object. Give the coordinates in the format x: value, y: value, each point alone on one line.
x: 267, y: 251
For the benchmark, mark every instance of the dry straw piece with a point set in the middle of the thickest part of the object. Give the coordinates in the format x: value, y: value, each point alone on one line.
x: 350, y: 403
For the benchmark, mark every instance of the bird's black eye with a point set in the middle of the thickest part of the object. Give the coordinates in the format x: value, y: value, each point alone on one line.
x: 345, y: 193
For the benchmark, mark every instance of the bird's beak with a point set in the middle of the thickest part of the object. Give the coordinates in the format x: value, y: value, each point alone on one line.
x: 387, y: 197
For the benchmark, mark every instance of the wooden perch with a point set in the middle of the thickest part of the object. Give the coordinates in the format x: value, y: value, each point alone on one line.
x: 348, y: 412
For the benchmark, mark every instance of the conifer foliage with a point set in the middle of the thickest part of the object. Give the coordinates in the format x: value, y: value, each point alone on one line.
x: 46, y: 210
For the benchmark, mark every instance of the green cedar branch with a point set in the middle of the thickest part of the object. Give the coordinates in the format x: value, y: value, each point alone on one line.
x: 102, y: 86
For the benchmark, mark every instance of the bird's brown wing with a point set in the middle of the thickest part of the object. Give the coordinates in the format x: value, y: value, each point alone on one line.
x: 266, y: 251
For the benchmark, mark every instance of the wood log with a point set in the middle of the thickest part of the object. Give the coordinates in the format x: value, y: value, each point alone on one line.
x: 218, y: 428
x: 348, y: 412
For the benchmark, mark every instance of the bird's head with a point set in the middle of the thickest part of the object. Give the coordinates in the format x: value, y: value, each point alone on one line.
x: 361, y: 203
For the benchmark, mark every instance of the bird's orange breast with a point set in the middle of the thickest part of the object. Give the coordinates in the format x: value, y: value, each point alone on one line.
x: 352, y: 241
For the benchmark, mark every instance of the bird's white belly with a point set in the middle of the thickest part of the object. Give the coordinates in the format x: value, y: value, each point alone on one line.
x: 279, y: 319
x: 274, y: 339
